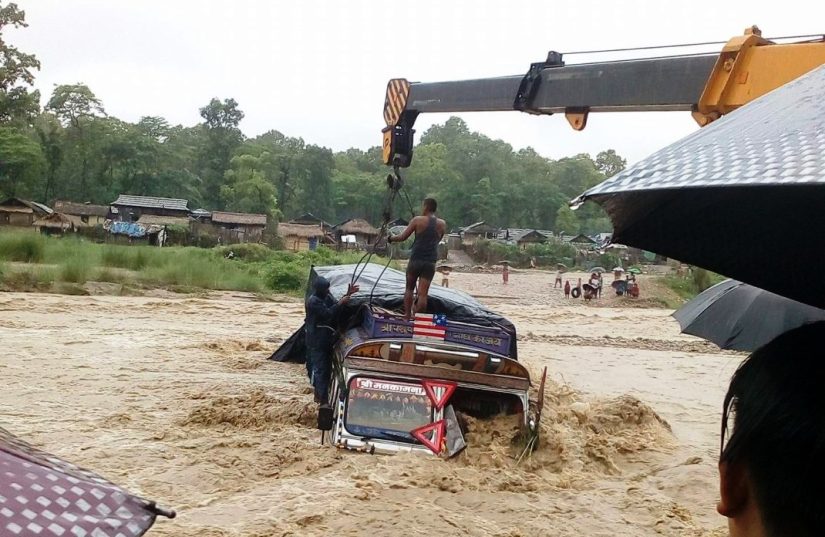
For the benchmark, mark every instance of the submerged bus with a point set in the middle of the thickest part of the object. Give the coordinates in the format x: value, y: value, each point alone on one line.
x: 403, y: 386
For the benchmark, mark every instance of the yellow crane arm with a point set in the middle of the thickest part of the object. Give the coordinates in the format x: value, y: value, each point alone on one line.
x: 707, y: 85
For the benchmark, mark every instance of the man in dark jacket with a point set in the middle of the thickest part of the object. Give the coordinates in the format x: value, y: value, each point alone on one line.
x: 320, y: 335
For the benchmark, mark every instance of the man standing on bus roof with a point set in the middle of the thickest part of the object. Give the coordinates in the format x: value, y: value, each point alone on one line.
x: 429, y: 231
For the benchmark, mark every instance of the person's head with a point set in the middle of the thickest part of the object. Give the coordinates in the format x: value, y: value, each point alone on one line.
x: 429, y: 206
x: 321, y: 286
x: 771, y: 467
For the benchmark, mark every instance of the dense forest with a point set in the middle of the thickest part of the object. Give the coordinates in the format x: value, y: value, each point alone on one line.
x: 68, y: 147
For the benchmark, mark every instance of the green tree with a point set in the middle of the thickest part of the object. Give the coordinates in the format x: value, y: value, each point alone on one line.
x: 78, y: 109
x: 246, y: 188
x: 51, y: 137
x: 610, y: 163
x: 20, y: 163
x: 566, y: 221
x: 222, y: 138
x: 155, y: 128
x: 17, y: 104
x: 74, y: 103
x: 316, y: 165
x: 281, y: 158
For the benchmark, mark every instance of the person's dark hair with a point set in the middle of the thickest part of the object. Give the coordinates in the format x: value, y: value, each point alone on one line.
x: 430, y: 204
x: 777, y: 401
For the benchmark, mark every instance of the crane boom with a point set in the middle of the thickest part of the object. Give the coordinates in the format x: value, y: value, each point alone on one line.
x: 653, y: 84
x: 707, y: 85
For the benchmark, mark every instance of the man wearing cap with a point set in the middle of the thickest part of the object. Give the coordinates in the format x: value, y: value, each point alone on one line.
x: 320, y: 334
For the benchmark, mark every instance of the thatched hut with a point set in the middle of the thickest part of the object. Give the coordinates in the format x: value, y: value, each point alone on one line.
x: 82, y: 214
x: 21, y: 213
x: 311, y: 219
x: 54, y: 224
x: 298, y: 237
x: 358, y: 228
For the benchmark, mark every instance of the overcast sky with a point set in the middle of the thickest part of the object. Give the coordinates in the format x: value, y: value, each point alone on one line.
x: 318, y: 69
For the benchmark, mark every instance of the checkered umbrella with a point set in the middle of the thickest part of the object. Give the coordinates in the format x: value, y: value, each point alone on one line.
x: 744, y: 197
x: 41, y: 495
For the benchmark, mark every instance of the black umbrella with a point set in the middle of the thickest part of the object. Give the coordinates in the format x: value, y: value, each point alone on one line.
x: 744, y: 197
x: 738, y: 316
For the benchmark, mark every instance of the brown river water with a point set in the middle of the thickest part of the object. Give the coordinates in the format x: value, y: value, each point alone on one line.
x: 173, y: 398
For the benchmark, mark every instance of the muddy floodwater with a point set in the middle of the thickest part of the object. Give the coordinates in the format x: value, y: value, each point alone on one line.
x: 173, y: 398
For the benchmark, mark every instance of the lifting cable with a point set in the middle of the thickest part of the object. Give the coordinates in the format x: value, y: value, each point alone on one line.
x: 685, y: 45
x: 394, y: 185
x: 412, y: 213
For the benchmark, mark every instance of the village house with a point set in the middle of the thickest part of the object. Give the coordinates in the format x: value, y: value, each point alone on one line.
x: 298, y: 237
x: 128, y: 208
x: 474, y: 232
x: 454, y: 241
x: 355, y: 233
x: 581, y: 241
x: 82, y: 214
x: 21, y: 213
x: 310, y: 219
x: 602, y: 238
x: 200, y: 214
x: 54, y: 224
x: 239, y: 227
x: 524, y: 237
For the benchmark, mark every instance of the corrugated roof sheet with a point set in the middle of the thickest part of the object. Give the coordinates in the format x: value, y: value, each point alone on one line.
x: 80, y: 209
x: 479, y: 227
x: 151, y: 202
x: 249, y: 219
x: 43, y: 207
x: 516, y: 234
x: 581, y: 238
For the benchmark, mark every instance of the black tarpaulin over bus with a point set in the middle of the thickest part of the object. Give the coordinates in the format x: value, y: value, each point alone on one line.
x: 387, y: 291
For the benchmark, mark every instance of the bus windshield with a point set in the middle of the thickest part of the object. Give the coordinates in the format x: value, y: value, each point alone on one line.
x: 384, y: 408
